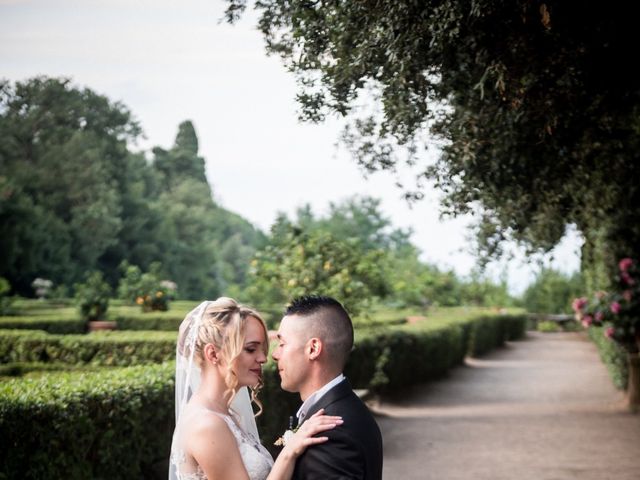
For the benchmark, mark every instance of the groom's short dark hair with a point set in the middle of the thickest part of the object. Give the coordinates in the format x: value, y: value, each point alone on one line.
x: 331, y: 323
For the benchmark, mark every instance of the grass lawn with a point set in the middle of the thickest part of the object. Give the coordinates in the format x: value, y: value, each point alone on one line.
x: 380, y: 316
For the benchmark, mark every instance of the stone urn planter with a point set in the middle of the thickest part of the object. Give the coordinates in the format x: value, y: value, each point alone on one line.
x: 101, y: 325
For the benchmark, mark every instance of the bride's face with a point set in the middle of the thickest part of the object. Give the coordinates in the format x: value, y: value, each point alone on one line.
x: 248, y: 365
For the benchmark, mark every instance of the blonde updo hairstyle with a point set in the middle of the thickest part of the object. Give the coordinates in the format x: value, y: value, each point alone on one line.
x: 224, y: 325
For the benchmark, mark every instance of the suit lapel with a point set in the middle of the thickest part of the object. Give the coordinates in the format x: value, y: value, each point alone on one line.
x: 338, y: 392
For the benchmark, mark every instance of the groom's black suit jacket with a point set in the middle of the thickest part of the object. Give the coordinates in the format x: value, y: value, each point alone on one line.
x: 354, y: 449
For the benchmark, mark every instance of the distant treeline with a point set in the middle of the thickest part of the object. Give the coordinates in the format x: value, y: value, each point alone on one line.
x: 76, y: 198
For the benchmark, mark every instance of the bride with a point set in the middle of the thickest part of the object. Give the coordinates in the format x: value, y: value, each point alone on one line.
x: 221, y: 349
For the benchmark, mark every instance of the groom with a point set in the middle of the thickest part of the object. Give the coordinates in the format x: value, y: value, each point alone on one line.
x: 314, y: 341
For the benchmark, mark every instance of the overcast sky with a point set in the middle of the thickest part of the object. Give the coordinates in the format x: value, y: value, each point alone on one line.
x: 170, y: 61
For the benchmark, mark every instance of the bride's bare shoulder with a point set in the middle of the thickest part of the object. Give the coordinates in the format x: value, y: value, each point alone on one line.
x: 213, y: 446
x: 210, y: 425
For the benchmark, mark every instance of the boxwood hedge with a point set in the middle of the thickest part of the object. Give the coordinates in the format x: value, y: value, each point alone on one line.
x: 613, y: 356
x: 100, y: 348
x: 52, y: 324
x: 111, y: 424
x: 117, y: 423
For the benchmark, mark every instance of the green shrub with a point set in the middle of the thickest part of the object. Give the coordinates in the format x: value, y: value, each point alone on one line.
x: 146, y: 289
x: 547, y: 326
x: 380, y: 358
x: 552, y: 292
x: 164, y: 321
x: 104, y: 348
x: 51, y: 324
x: 92, y: 297
x: 46, y: 306
x: 19, y: 369
x: 514, y: 326
x: 490, y: 332
x: 613, y: 356
x: 12, y: 342
x: 133, y: 318
x: 111, y: 424
x: 572, y: 326
x: 156, y: 301
x: 54, y: 316
x: 117, y: 423
x: 5, y: 299
x: 486, y: 335
x: 129, y: 287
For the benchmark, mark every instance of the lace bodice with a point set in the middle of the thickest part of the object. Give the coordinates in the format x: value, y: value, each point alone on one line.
x: 257, y: 460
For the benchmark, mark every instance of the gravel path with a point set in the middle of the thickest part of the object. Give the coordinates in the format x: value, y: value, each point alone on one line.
x: 540, y: 409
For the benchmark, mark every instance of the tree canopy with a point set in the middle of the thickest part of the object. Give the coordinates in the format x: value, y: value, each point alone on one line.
x: 63, y: 159
x: 552, y: 292
x: 533, y: 104
x: 75, y: 198
x: 355, y: 254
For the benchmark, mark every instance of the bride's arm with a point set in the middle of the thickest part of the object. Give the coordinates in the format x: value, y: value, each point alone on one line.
x: 296, y: 445
x: 214, y: 448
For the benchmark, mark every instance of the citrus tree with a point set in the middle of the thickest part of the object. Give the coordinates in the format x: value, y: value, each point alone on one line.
x: 317, y: 263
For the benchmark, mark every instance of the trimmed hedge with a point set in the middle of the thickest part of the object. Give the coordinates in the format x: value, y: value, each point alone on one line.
x: 65, y: 324
x: 18, y: 369
x: 45, y: 305
x: 131, y: 317
x: 392, y: 359
x: 395, y: 359
x: 112, y: 424
x: 100, y: 348
x: 490, y: 332
x: 117, y: 423
x: 73, y: 324
x: 62, y: 324
x: 148, y: 321
x: 613, y: 356
x: 54, y: 318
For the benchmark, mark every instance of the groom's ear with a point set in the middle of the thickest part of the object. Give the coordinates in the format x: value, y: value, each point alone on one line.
x: 314, y: 347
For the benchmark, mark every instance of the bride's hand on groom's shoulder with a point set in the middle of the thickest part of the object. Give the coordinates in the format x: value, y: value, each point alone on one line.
x: 304, y: 436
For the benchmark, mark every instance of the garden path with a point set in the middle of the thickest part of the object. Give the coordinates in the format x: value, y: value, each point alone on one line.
x: 542, y: 408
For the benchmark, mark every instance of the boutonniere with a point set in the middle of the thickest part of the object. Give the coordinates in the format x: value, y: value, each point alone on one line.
x: 286, y: 436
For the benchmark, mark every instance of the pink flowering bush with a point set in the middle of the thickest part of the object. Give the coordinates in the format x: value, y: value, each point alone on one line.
x: 618, y: 311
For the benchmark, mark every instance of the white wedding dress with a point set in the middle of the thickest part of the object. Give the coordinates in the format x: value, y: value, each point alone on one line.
x: 257, y: 460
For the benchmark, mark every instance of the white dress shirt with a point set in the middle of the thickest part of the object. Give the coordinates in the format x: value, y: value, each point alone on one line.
x: 315, y: 396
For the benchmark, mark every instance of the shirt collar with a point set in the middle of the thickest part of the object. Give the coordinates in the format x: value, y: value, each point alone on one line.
x: 315, y: 396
